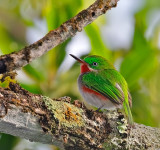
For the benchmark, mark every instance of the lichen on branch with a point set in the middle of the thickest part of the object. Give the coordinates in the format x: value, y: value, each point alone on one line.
x: 69, y: 125
x: 58, y: 121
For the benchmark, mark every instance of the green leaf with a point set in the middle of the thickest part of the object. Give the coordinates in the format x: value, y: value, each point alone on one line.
x: 98, y: 46
x: 7, y: 142
x: 34, y: 73
x: 140, y: 61
x: 33, y: 88
x: 141, y: 109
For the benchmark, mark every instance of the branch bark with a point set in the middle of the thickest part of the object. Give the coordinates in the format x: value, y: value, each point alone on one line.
x: 57, y: 121
x: 55, y: 37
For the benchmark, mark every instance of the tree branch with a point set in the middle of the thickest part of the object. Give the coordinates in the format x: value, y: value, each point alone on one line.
x: 55, y: 37
x: 57, y: 121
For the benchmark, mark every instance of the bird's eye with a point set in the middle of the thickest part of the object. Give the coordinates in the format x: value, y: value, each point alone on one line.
x: 95, y: 64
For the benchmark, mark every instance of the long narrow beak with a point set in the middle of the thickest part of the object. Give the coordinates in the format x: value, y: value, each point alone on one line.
x: 78, y: 59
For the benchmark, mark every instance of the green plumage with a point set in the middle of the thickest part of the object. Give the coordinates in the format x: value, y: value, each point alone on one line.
x: 106, y: 82
x: 106, y: 86
x: 98, y: 75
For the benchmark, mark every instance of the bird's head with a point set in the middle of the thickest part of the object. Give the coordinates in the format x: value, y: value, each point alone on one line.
x: 93, y: 63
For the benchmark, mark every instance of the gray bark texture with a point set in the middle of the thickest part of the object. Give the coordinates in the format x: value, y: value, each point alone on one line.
x: 57, y: 121
x: 69, y: 126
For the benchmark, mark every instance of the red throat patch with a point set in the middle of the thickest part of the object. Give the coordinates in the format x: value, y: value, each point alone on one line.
x: 84, y: 68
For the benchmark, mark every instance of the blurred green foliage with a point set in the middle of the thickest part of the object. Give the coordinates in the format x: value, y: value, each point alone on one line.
x: 140, y: 63
x: 7, y: 142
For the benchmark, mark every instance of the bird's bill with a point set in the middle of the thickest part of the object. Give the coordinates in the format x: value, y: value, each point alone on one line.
x: 78, y: 59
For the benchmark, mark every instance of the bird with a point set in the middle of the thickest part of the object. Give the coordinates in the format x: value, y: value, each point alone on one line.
x: 102, y: 86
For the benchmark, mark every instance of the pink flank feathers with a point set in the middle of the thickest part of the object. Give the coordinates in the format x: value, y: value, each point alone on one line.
x: 90, y: 91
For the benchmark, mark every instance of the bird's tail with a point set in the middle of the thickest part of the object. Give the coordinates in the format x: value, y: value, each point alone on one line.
x: 128, y: 112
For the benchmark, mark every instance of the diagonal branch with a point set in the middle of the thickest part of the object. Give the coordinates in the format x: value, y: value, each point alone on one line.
x: 55, y: 37
x: 57, y: 121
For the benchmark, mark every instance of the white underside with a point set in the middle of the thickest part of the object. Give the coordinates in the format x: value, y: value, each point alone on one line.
x: 96, y: 101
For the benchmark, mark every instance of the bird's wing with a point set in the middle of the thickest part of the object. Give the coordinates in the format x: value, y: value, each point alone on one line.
x: 104, y: 83
x: 111, y: 84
